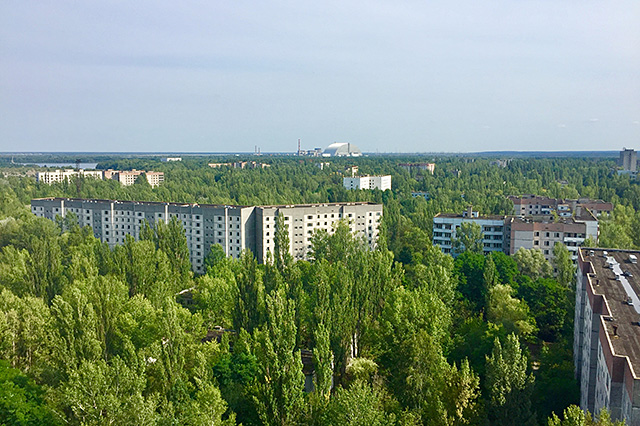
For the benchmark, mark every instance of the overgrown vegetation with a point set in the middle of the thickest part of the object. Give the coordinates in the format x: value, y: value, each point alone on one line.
x: 400, y: 335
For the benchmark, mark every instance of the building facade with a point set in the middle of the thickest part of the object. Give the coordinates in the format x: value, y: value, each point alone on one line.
x: 367, y: 182
x: 430, y: 167
x: 124, y: 177
x: 509, y: 234
x: 129, y: 177
x: 542, y: 233
x: 628, y: 160
x: 533, y: 205
x: 606, y: 340
x: 66, y: 175
x: 235, y: 228
x: 445, y: 225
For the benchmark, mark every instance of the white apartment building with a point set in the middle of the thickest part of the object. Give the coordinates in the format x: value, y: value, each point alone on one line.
x: 66, y: 175
x: 128, y: 177
x: 606, y: 340
x: 235, y: 228
x: 445, y: 225
x: 367, y: 182
x: 124, y: 177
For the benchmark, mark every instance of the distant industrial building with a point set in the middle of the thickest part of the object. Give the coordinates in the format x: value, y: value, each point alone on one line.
x: 367, y: 182
x: 342, y: 149
x: 235, y: 228
x: 169, y: 159
x: 606, y: 340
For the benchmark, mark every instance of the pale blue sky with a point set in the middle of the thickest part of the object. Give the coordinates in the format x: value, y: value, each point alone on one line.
x: 388, y: 76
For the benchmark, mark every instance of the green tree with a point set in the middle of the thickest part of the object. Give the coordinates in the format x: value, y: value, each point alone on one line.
x: 359, y: 405
x: 575, y: 416
x: 532, y: 263
x: 508, y: 384
x: 509, y: 311
x: 565, y: 270
x: 22, y: 402
x: 468, y: 237
x: 279, y: 391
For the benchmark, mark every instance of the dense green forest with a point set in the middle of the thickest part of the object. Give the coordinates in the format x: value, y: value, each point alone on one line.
x: 401, y: 335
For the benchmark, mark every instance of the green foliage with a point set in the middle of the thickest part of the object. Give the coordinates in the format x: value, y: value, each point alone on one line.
x: 278, y: 392
x: 565, y: 270
x: 468, y: 237
x: 532, y: 263
x: 22, y: 401
x: 359, y: 405
x: 509, y: 386
x: 103, y: 333
x: 510, y: 312
x: 573, y: 415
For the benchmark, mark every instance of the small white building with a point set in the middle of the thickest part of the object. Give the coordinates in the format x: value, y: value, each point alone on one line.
x: 166, y: 160
x: 367, y: 182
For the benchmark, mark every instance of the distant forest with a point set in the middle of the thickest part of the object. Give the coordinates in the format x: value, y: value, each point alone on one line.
x: 401, y: 335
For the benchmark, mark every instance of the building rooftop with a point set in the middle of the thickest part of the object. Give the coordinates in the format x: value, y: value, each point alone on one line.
x: 460, y: 216
x: 88, y: 200
x: 620, y: 301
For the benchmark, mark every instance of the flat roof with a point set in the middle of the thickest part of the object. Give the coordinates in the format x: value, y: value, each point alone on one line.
x: 617, y: 294
x: 92, y: 200
x: 459, y: 216
x: 97, y: 200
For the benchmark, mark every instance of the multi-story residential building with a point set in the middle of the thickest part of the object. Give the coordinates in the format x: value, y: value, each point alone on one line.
x: 533, y: 205
x: 124, y: 177
x: 543, y: 233
x: 430, y: 167
x: 367, y: 182
x: 606, y: 339
x: 128, y: 177
x: 445, y: 225
x: 628, y: 160
x: 508, y: 234
x: 235, y: 228
x: 66, y: 175
x: 304, y: 220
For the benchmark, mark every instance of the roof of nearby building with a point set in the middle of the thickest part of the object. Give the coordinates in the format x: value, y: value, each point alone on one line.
x: 459, y: 216
x: 618, y: 313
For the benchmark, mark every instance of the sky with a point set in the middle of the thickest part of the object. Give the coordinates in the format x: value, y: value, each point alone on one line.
x: 387, y: 76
